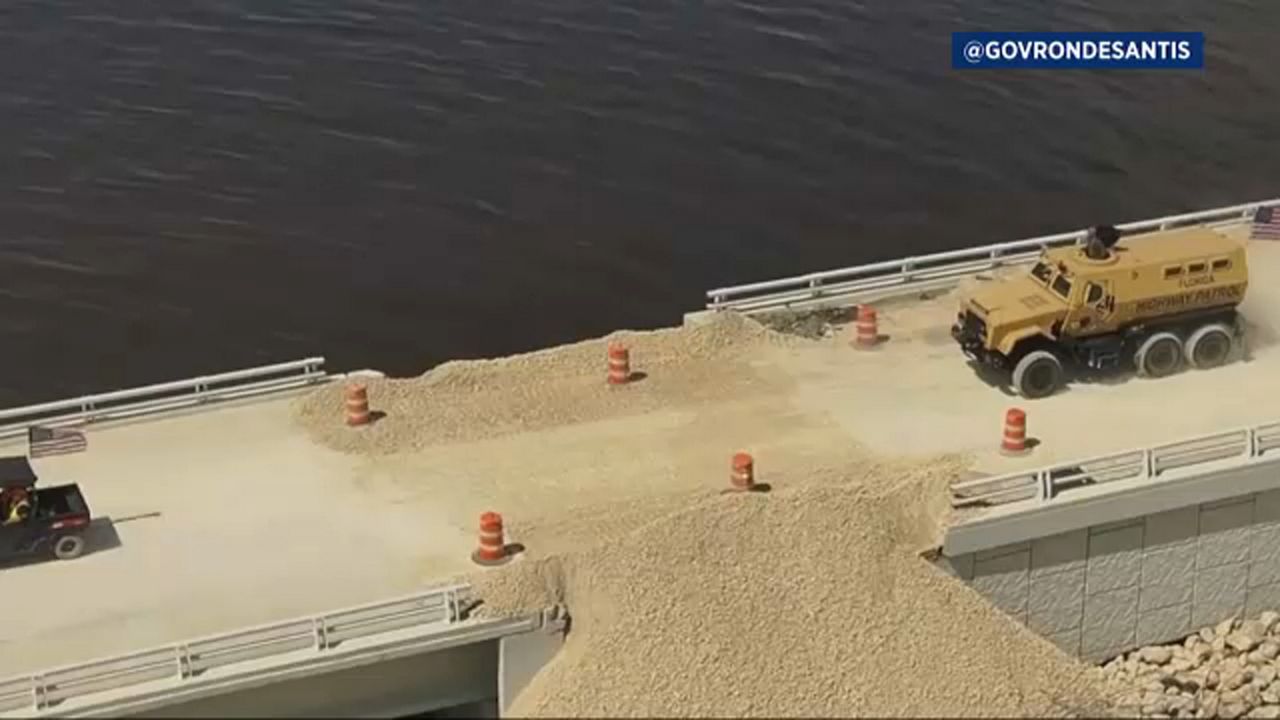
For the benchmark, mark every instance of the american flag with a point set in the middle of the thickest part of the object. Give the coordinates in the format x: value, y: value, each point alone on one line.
x: 1266, y: 224
x: 45, y: 441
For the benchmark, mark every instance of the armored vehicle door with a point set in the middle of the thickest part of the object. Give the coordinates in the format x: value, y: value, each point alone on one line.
x: 1094, y: 308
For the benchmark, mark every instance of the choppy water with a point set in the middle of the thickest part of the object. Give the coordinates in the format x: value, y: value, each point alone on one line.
x: 396, y: 183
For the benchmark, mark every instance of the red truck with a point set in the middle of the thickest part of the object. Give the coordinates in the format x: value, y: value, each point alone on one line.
x: 53, y: 520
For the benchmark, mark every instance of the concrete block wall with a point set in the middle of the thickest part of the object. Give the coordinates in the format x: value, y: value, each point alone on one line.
x: 1102, y: 590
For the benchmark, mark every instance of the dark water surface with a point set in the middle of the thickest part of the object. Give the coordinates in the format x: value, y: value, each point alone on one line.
x: 192, y: 187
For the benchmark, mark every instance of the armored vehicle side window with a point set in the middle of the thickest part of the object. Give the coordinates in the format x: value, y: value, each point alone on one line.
x: 1196, y: 267
x: 1221, y: 264
x: 1172, y: 272
x: 1062, y: 286
x: 1041, y: 272
x: 1095, y: 293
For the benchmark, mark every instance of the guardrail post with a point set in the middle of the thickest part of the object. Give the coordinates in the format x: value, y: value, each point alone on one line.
x: 320, y: 629
x: 995, y: 257
x: 39, y: 693
x: 907, y: 267
x: 321, y: 632
x: 1251, y: 442
x: 815, y: 287
x: 451, y: 606
x: 1044, y: 483
x: 183, y: 657
x: 1148, y: 464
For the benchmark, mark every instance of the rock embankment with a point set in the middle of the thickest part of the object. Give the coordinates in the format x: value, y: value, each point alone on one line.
x: 1228, y: 671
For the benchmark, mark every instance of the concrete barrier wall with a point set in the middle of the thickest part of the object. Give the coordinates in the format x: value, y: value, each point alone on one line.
x: 393, y: 688
x: 1102, y: 590
x: 473, y: 678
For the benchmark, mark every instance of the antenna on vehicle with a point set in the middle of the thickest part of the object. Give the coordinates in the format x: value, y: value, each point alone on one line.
x: 1100, y: 240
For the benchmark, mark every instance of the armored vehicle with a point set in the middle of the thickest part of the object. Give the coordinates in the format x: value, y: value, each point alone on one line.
x: 1154, y: 302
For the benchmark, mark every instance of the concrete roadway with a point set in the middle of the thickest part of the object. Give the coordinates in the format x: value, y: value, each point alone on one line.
x: 210, y: 521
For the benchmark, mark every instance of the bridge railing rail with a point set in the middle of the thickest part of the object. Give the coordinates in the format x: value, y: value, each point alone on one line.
x: 190, y: 659
x: 164, y: 396
x: 773, y: 294
x: 1045, y: 484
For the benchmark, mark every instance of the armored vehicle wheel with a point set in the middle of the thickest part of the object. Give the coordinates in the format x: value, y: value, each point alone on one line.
x: 1159, y: 355
x: 68, y: 547
x: 1208, y: 346
x: 1038, y: 374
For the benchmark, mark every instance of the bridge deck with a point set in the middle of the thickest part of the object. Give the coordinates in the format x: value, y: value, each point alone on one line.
x: 208, y: 522
x: 233, y: 516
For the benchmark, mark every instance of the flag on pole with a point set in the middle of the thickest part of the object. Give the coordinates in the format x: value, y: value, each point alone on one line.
x: 45, y: 441
x: 1266, y: 224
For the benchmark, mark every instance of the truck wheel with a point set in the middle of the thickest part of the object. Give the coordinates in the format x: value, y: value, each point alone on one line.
x: 1159, y: 355
x: 68, y: 547
x: 1038, y: 374
x: 1208, y: 346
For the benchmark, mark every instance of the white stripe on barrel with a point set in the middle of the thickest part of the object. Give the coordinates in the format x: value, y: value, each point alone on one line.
x: 868, y: 331
x: 619, y: 364
x: 357, y: 402
x: 1015, y: 432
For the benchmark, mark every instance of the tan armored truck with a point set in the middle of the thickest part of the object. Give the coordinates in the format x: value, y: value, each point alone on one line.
x: 1153, y: 302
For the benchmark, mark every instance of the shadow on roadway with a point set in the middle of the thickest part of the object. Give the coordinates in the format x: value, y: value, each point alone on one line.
x: 100, y: 536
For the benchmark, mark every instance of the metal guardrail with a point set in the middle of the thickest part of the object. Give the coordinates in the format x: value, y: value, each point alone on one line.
x: 164, y: 396
x: 849, y: 281
x: 1147, y: 464
x: 190, y: 659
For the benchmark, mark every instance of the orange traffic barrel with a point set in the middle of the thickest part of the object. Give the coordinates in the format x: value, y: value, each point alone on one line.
x: 868, y: 330
x: 493, y: 548
x: 742, y: 476
x: 1015, y: 432
x: 357, y: 405
x: 619, y: 364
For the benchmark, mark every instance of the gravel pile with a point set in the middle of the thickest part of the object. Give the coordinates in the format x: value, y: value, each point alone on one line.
x: 469, y: 400
x: 811, y: 324
x: 810, y: 600
x: 1228, y: 671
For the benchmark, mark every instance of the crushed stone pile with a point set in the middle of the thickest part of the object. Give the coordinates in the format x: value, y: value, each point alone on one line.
x: 811, y: 324
x: 807, y: 601
x: 468, y: 400
x: 1227, y: 671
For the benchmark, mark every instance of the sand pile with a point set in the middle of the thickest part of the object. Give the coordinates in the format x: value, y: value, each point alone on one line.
x: 469, y: 400
x: 807, y: 601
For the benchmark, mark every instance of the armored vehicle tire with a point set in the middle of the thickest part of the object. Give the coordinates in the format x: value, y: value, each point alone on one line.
x: 1159, y: 355
x: 1208, y: 346
x: 68, y: 547
x: 1038, y: 374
